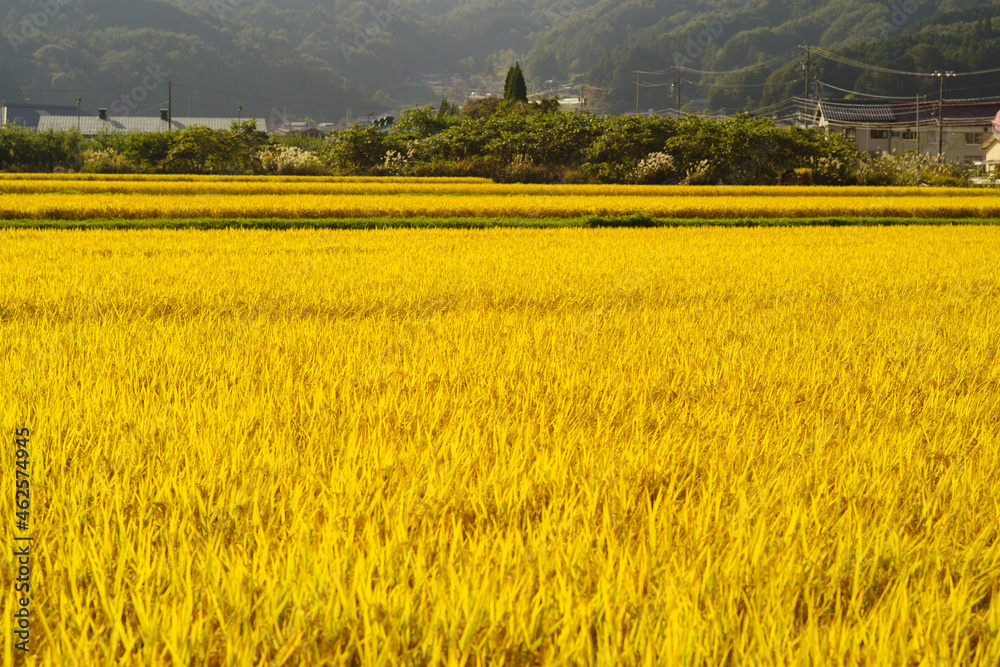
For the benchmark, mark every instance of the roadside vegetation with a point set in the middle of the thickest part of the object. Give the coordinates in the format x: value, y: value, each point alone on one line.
x: 505, y: 141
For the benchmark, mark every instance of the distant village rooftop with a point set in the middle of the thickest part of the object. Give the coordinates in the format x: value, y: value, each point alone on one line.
x: 878, y: 111
x: 105, y: 124
x: 27, y: 115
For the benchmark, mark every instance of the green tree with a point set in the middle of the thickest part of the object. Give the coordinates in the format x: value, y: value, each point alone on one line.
x: 242, y: 144
x: 355, y: 150
x: 447, y: 108
x: 419, y: 123
x: 27, y: 150
x: 483, y: 107
x: 149, y: 150
x: 514, y: 88
x: 197, y: 150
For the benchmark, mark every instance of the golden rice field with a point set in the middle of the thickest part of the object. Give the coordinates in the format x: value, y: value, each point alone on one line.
x: 688, y: 446
x: 17, y: 184
x: 146, y: 206
x: 72, y: 198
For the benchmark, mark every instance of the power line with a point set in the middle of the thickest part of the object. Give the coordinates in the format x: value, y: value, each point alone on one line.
x: 727, y: 85
x: 857, y: 92
x: 782, y: 58
x: 71, y: 90
x: 774, y: 61
x: 844, y: 60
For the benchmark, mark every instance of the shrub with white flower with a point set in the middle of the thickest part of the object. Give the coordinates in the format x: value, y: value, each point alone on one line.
x: 397, y: 163
x: 106, y: 161
x: 698, y: 174
x: 653, y: 169
x: 290, y: 161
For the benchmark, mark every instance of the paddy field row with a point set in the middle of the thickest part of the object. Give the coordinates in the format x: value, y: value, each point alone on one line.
x: 128, y: 206
x: 54, y: 198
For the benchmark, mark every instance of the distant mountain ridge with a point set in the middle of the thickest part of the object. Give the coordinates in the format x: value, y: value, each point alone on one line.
x: 327, y: 58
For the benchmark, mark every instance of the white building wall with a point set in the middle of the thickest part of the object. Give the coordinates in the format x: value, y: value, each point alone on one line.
x: 961, y: 144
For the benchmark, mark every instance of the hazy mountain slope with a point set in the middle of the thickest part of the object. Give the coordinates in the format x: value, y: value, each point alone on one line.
x: 119, y: 53
x: 763, y: 30
x: 318, y: 57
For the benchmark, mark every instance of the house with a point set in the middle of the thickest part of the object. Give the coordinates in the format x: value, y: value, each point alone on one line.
x: 28, y: 115
x: 104, y: 124
x: 892, y: 126
x: 991, y: 161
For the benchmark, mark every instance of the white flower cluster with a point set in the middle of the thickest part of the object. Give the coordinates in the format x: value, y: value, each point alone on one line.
x: 652, y: 169
x: 289, y: 161
x: 829, y: 169
x: 105, y: 161
x: 395, y: 163
x: 106, y: 155
x: 697, y: 173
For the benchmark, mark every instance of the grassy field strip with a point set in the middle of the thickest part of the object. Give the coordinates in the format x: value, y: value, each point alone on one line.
x: 225, y: 178
x: 139, y: 206
x: 454, y: 187
x: 478, y: 223
x: 711, y: 446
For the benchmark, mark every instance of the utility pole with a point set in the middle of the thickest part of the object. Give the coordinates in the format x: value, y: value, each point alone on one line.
x: 678, y: 90
x: 636, y: 93
x: 78, y: 101
x: 918, y: 123
x: 170, y: 106
x: 941, y: 76
x: 807, y: 67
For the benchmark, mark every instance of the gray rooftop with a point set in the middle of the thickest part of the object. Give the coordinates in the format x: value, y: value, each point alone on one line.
x: 27, y: 115
x: 92, y: 125
x: 956, y: 113
x: 864, y: 113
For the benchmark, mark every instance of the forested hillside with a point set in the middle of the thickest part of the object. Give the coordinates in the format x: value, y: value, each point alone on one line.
x: 120, y: 53
x: 910, y: 36
x: 316, y: 58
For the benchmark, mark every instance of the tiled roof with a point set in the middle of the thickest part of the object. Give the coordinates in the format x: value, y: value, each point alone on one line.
x: 956, y: 113
x: 91, y: 125
x: 874, y: 111
x: 859, y: 113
